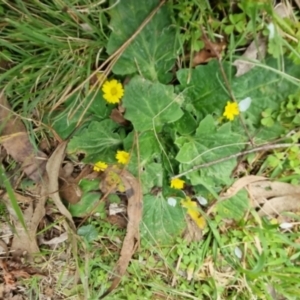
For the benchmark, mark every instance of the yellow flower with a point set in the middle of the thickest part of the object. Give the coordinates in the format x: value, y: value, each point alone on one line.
x: 113, y: 91
x: 122, y: 157
x: 231, y: 110
x: 193, y: 212
x: 100, y: 166
x: 177, y: 183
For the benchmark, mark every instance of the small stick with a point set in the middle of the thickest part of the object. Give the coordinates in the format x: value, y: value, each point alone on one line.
x: 217, y: 161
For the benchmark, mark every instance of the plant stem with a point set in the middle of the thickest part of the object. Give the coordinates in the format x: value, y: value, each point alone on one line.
x: 220, y: 160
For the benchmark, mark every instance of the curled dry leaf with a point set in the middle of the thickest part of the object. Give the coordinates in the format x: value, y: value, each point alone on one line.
x: 25, y: 241
x: 15, y: 140
x: 267, y: 189
x: 210, y: 50
x: 53, y: 168
x: 57, y: 240
x: 275, y: 197
x: 240, y: 184
x: 117, y: 220
x: 271, y: 197
x: 118, y: 116
x: 256, y: 51
x: 68, y: 185
x: 133, y: 192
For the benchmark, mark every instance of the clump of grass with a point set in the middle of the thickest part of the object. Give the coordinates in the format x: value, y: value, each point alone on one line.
x: 51, y: 48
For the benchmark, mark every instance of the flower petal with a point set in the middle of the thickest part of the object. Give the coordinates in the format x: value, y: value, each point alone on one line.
x: 245, y: 104
x: 172, y: 201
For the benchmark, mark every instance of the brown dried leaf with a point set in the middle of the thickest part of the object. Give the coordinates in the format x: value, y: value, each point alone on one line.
x: 210, y: 50
x: 15, y: 140
x: 256, y: 51
x: 271, y: 197
x: 57, y: 240
x: 284, y: 10
x: 201, y: 57
x: 134, y: 212
x: 10, y: 283
x: 53, y: 168
x: 265, y: 190
x: 70, y: 191
x: 117, y: 220
x: 240, y: 184
x: 117, y: 116
x: 277, y: 205
x: 276, y: 197
x: 25, y: 241
x: 68, y: 185
x: 19, y: 197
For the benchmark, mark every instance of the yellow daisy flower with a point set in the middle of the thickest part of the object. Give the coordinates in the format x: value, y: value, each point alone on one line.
x: 231, y: 110
x: 113, y: 91
x: 193, y: 212
x: 100, y: 166
x: 122, y: 157
x: 177, y: 183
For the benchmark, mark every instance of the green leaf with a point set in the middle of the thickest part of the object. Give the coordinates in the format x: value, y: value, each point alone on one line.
x: 148, y: 147
x: 151, y: 176
x: 88, y: 185
x: 204, y: 87
x: 64, y: 122
x: 89, y: 232
x: 150, y: 105
x: 186, y: 124
x: 152, y: 53
x: 147, y: 164
x: 209, y: 144
x: 13, y: 201
x: 98, y: 142
x: 162, y: 223
x: 207, y: 92
x: 268, y: 121
x: 86, y: 205
x: 235, y: 207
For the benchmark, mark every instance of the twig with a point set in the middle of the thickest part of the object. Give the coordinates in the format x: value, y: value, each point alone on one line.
x: 217, y: 161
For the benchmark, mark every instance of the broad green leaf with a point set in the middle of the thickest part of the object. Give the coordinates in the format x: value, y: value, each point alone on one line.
x: 89, y: 232
x: 152, y: 53
x: 151, y: 176
x: 147, y: 145
x: 99, y: 142
x: 13, y: 201
x: 205, y: 88
x: 88, y: 185
x: 209, y: 144
x: 162, y: 223
x: 235, y: 207
x: 186, y: 124
x: 98, y: 107
x: 150, y: 105
x: 207, y: 92
x: 64, y: 122
x: 147, y: 164
x: 87, y: 205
